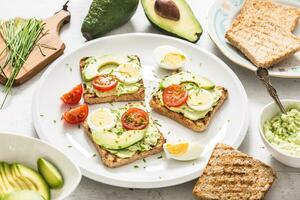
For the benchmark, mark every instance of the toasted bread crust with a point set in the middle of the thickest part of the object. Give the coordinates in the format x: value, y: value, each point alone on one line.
x: 231, y: 175
x: 91, y: 98
x: 197, y: 125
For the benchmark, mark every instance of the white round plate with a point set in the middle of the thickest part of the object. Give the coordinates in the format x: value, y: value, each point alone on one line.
x: 27, y: 150
x: 219, y: 18
x: 155, y: 171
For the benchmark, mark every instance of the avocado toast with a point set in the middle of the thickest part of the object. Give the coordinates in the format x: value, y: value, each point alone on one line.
x: 127, y: 134
x: 188, y: 99
x: 125, y: 85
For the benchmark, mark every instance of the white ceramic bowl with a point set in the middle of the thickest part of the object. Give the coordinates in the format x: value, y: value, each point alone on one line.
x: 268, y: 112
x: 26, y: 150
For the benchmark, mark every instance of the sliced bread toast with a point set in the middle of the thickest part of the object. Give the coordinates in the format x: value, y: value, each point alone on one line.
x: 197, y: 125
x: 262, y: 32
x: 264, y: 43
x: 284, y: 16
x: 112, y: 161
x: 92, y: 98
x: 232, y: 175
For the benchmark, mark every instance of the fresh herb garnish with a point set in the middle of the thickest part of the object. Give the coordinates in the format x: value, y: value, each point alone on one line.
x: 20, y: 37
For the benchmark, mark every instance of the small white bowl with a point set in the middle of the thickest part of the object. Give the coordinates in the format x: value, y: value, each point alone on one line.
x: 268, y: 112
x: 27, y: 150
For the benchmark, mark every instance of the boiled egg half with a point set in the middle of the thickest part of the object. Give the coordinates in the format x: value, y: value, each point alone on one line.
x: 129, y: 72
x: 169, y: 57
x: 101, y: 119
x: 201, y: 100
x: 183, y: 151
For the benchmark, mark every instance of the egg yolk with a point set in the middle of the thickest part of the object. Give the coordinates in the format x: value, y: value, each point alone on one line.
x: 174, y: 58
x: 177, y: 149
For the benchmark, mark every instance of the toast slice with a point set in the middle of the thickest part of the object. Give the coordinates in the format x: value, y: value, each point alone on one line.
x: 262, y: 32
x: 263, y: 43
x: 92, y: 98
x: 112, y: 161
x: 231, y: 175
x: 284, y: 16
x: 197, y: 125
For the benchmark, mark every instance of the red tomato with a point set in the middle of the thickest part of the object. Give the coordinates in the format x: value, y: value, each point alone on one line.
x: 135, y: 119
x: 73, y: 97
x: 104, y: 83
x: 175, y: 95
x: 76, y: 115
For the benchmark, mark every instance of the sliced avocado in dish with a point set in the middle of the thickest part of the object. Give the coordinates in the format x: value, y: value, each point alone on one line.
x: 9, y: 177
x: 174, y: 17
x: 113, y: 141
x: 4, y: 181
x: 50, y: 173
x: 184, y: 76
x: 106, y: 15
x: 33, y: 178
x: 23, y: 195
x: 17, y: 176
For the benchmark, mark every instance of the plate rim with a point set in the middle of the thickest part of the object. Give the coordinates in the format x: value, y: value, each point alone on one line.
x: 212, y: 35
x: 140, y: 184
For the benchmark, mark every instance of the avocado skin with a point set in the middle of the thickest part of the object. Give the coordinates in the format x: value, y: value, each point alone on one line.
x: 173, y: 34
x: 106, y: 15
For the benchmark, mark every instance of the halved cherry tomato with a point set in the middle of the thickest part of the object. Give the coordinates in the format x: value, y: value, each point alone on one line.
x: 72, y: 97
x: 104, y: 83
x: 76, y: 115
x: 135, y: 119
x: 175, y: 95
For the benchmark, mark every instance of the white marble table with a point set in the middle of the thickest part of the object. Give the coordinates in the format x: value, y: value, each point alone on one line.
x: 16, y: 116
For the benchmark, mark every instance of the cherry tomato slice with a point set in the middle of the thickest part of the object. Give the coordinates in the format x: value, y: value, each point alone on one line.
x: 104, y: 83
x: 73, y: 97
x: 175, y: 95
x: 135, y: 119
x: 76, y: 115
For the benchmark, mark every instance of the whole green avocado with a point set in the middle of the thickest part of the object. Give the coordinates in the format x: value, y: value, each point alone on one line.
x: 106, y: 15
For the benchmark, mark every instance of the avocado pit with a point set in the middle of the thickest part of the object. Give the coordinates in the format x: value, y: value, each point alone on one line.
x: 167, y: 9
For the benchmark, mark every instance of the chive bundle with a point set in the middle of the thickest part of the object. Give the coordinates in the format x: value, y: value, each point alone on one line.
x: 20, y: 37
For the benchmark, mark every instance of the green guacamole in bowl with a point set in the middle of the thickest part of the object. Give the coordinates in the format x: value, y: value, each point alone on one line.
x: 283, y: 131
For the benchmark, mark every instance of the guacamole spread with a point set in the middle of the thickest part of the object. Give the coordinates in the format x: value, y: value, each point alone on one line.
x: 283, y: 132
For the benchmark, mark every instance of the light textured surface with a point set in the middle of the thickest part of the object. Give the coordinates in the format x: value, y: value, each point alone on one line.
x: 16, y: 116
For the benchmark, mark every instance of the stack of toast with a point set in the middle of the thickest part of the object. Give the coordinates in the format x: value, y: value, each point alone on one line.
x: 262, y: 31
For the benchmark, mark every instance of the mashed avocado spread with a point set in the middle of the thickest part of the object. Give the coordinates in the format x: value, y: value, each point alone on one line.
x: 283, y: 132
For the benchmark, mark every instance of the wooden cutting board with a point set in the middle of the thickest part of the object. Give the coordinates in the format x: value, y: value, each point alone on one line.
x: 36, y: 60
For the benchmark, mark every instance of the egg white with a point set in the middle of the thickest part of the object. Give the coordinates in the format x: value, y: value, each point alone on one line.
x: 109, y: 123
x: 161, y: 51
x: 194, y: 152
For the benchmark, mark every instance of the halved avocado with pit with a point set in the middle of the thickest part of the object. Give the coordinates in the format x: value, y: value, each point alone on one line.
x: 174, y: 17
